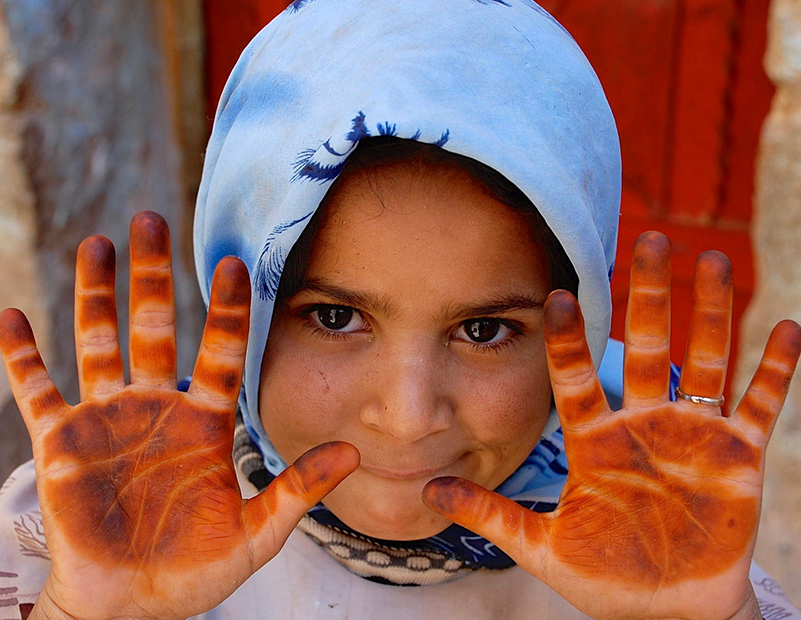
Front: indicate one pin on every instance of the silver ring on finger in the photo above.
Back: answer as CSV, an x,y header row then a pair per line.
x,y
700,400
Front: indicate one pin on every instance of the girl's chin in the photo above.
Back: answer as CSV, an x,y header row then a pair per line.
x,y
389,510
395,527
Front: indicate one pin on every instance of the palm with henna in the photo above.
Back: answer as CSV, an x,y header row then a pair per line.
x,y
138,492
659,514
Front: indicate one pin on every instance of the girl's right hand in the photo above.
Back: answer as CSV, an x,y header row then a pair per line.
x,y
138,492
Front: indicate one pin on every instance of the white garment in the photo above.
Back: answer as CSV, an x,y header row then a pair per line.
x,y
304,583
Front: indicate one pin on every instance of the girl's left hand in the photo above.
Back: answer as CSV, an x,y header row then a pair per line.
x,y
659,514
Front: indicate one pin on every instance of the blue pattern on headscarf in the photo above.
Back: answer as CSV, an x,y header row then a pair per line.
x,y
307,168
272,259
297,5
385,129
359,129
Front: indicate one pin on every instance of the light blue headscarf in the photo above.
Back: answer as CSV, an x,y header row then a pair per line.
x,y
496,80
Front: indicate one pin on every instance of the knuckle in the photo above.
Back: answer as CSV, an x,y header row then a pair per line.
x,y
224,349
153,319
575,376
153,269
97,339
763,397
208,396
295,482
647,344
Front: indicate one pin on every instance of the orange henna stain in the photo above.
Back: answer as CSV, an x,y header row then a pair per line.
x,y
96,309
656,538
452,497
561,315
659,498
48,400
568,355
757,412
590,401
309,479
16,335
320,467
26,366
647,308
651,258
15,331
156,356
231,284
154,478
226,324
217,377
101,367
95,263
155,289
150,237
482,511
712,268
773,376
646,373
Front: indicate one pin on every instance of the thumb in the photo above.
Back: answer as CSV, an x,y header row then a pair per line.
x,y
271,516
519,532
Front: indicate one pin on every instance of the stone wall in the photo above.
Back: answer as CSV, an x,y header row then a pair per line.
x,y
776,237
88,137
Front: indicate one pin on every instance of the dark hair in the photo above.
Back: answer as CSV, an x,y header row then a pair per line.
x,y
374,153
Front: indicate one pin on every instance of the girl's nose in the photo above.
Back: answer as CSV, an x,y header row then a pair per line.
x,y
408,397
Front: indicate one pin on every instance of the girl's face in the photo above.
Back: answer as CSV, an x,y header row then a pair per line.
x,y
417,337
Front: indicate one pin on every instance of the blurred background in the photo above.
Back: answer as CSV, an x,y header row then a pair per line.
x,y
105,108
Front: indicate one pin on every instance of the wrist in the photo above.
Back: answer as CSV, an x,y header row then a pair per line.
x,y
750,609
47,609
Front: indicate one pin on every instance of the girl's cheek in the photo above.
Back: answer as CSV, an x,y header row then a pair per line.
x,y
304,401
510,401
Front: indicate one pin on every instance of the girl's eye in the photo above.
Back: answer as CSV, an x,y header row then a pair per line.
x,y
485,331
337,318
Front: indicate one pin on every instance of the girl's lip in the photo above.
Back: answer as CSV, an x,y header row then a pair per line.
x,y
398,474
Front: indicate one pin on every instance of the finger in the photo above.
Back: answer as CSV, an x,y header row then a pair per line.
x,y
646,367
519,532
35,393
576,389
96,345
152,303
707,356
221,358
767,391
271,516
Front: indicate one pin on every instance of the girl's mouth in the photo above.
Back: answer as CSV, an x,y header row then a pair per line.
x,y
402,473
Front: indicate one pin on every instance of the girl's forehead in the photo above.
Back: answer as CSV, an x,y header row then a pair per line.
x,y
409,184
422,202
391,232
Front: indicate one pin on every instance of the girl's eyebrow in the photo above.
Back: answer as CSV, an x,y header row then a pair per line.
x,y
349,298
493,306
500,304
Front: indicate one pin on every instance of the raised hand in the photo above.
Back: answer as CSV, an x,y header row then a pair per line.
x,y
659,514
139,497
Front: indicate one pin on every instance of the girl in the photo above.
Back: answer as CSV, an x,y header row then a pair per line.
x,y
414,193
